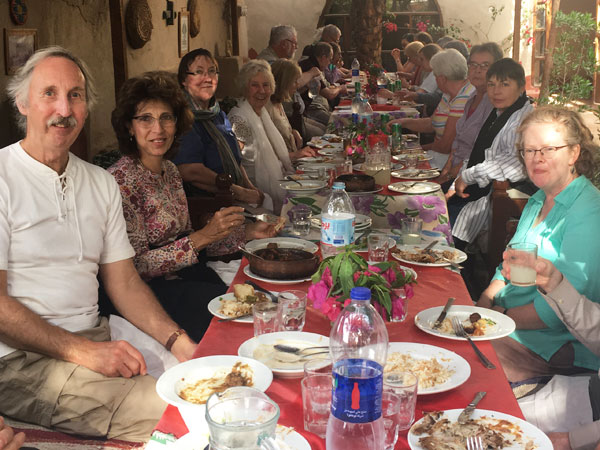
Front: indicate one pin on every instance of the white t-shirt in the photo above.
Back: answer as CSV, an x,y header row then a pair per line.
x,y
429,84
54,232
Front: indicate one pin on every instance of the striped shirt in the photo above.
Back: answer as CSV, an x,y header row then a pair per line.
x,y
501,163
450,107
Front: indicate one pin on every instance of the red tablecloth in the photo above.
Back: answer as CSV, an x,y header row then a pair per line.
x,y
434,286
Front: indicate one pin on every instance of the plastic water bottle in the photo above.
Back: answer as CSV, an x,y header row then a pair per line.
x,y
337,222
365,112
358,346
355,71
356,103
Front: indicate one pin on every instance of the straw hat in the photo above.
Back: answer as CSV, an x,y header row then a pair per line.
x,y
138,23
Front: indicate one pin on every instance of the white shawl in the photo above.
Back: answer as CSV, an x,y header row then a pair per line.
x,y
265,156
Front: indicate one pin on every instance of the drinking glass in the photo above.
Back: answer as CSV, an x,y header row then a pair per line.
x,y
291,310
316,402
378,246
390,409
265,318
411,161
300,221
314,88
241,418
404,385
318,366
411,230
521,259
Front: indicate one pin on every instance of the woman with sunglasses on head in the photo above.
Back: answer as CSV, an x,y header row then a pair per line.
x,y
562,218
150,116
210,147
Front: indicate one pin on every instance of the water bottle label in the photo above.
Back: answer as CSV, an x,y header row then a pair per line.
x,y
338,231
357,390
355,72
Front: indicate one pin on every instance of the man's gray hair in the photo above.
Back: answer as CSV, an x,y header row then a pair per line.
x,y
18,86
330,32
450,64
250,70
280,33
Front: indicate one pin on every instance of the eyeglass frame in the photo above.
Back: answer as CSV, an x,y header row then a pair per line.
x,y
549,151
474,65
161,120
211,74
295,44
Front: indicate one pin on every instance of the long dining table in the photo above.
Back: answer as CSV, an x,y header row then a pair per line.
x,y
434,286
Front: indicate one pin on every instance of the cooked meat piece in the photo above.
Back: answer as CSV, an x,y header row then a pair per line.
x,y
429,420
470,329
474,317
272,245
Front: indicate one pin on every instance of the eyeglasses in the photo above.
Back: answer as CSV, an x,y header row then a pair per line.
x,y
294,43
147,121
548,152
212,72
482,66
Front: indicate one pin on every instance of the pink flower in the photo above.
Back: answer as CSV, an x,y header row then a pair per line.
x,y
398,308
327,277
374,269
408,289
318,293
389,275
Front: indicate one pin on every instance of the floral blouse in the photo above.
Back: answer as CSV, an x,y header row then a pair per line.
x,y
156,212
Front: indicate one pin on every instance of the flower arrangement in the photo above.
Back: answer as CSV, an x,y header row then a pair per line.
x,y
373,71
337,275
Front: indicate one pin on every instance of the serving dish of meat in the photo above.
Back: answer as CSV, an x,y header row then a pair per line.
x,y
439,430
283,263
439,256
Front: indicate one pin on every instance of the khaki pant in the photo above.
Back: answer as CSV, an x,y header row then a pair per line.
x,y
73,399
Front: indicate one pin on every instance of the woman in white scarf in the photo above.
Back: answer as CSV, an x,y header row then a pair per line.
x,y
264,153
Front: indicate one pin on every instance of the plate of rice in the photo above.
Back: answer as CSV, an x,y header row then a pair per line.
x,y
438,369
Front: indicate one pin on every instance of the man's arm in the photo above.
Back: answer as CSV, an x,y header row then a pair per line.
x,y
23,329
137,303
8,439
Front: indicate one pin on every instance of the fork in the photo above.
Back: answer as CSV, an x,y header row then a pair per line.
x,y
460,331
474,443
299,358
262,217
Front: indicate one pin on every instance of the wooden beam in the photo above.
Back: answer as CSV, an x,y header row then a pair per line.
x,y
549,53
119,43
516,51
235,32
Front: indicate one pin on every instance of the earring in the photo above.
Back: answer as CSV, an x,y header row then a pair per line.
x,y
131,138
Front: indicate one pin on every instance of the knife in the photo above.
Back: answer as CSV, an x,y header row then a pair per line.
x,y
256,287
235,318
466,413
442,316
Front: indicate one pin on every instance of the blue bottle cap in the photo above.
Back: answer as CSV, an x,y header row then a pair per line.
x,y
339,185
360,293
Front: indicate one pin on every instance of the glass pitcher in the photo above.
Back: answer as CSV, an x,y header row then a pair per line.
x,y
378,162
242,418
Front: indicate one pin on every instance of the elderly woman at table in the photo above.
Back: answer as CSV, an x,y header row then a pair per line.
x,y
562,218
264,153
477,108
563,407
450,69
210,147
151,113
494,155
286,74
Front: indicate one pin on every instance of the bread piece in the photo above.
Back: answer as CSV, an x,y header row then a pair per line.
x,y
280,224
241,291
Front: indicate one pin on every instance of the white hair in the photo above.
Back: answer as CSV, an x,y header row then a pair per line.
x,y
449,63
18,86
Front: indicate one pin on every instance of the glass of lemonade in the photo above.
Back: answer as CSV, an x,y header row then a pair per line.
x,y
411,230
521,259
378,163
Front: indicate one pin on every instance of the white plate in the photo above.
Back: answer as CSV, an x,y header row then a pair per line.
x,y
448,359
330,151
408,269
402,157
504,324
415,174
410,187
362,222
459,257
314,167
311,159
215,304
530,432
198,441
287,242
248,347
305,186
171,382
251,274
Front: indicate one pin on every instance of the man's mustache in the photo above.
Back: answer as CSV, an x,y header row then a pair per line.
x,y
62,121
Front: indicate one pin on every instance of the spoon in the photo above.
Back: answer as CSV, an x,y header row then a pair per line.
x,y
279,357
295,350
247,253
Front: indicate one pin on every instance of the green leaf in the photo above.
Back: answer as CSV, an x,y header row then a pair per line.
x,y
359,260
335,267
346,276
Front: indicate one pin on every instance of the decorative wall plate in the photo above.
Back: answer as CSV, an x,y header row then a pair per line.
x,y
18,11
138,23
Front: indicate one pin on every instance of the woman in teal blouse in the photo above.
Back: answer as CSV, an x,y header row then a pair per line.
x,y
563,219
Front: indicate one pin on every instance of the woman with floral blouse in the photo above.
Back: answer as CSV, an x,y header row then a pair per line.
x,y
151,114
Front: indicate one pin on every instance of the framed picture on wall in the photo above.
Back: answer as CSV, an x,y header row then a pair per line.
x,y
184,33
19,45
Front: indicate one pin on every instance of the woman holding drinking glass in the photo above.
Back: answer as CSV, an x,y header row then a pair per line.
x,y
562,219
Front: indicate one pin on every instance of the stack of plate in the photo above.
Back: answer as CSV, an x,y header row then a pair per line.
x,y
303,186
362,222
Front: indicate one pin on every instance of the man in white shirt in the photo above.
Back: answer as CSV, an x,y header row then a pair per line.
x,y
61,223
